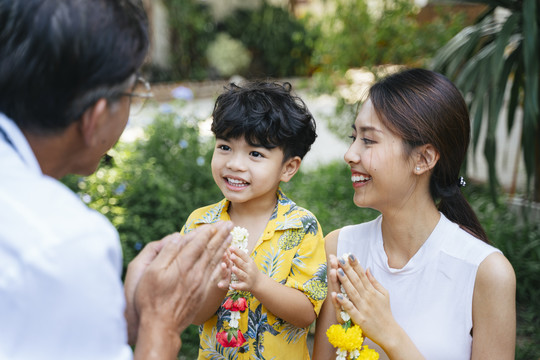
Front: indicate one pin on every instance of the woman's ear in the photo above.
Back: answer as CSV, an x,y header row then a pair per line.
x,y
426,159
91,121
290,167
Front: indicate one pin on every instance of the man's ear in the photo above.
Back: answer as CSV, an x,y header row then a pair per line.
x,y
290,167
92,120
427,158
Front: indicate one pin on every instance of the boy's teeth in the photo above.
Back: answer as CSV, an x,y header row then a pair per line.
x,y
235,182
356,178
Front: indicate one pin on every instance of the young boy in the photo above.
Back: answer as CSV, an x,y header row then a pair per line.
x,y
262,133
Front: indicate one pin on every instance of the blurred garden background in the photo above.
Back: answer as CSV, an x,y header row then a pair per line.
x,y
331,51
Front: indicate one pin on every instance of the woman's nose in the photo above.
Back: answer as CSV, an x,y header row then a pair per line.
x,y
352,155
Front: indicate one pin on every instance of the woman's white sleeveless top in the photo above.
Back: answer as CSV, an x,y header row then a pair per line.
x,y
431,296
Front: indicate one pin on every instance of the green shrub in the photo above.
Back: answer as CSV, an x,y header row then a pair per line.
x,y
190,343
192,28
228,56
280,44
353,36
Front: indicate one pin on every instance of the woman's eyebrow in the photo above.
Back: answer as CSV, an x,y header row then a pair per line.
x,y
369,128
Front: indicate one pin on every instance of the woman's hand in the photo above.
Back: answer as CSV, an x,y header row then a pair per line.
x,y
368,302
368,305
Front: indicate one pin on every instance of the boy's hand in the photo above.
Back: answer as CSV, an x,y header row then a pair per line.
x,y
245,269
222,274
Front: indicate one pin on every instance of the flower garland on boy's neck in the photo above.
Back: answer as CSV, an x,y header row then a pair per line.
x,y
347,337
235,303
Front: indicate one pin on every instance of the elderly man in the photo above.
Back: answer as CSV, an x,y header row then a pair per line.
x,y
68,70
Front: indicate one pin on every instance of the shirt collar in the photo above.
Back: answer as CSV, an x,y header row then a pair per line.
x,y
18,143
283,215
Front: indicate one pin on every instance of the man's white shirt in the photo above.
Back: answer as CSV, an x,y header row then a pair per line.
x,y
61,294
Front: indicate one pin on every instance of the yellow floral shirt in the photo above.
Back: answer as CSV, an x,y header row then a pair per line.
x,y
290,251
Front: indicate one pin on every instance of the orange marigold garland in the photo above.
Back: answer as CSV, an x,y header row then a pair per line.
x,y
233,337
348,339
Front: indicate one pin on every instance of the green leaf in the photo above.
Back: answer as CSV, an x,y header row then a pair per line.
x,y
502,42
510,62
478,111
530,105
474,71
517,83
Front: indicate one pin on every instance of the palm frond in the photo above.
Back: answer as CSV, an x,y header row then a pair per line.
x,y
517,84
530,101
490,57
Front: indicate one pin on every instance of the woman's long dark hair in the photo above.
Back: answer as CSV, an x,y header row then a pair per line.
x,y
424,107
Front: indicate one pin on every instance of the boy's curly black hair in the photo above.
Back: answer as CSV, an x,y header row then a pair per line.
x,y
267,114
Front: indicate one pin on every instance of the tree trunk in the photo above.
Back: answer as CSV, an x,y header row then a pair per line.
x,y
292,6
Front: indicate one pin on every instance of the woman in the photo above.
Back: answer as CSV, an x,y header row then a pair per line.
x,y
422,280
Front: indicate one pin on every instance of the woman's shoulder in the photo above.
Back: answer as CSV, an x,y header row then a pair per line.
x,y
463,245
351,234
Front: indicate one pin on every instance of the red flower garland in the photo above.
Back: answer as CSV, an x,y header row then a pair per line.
x,y
227,338
235,305
233,337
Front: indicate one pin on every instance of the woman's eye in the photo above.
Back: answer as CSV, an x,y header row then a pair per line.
x,y
367,141
353,138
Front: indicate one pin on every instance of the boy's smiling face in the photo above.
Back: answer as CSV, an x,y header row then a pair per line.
x,y
246,173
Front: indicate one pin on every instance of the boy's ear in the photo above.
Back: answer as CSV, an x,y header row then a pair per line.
x,y
290,167
91,120
428,157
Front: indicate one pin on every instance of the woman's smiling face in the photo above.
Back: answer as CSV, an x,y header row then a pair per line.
x,y
381,172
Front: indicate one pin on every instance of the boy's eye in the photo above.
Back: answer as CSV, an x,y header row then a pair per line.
x,y
256,154
224,147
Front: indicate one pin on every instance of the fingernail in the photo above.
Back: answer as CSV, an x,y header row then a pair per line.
x,y
341,261
340,296
352,258
340,272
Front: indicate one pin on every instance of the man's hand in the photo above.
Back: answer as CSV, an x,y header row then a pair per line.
x,y
134,273
168,285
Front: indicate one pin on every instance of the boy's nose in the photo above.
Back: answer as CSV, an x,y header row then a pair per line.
x,y
236,162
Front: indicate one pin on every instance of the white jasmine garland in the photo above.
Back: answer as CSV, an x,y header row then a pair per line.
x,y
235,316
235,302
355,354
341,354
240,238
240,241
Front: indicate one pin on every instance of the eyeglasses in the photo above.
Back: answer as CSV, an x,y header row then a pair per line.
x,y
139,95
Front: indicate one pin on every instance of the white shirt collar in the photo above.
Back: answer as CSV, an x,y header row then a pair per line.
x,y
19,143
